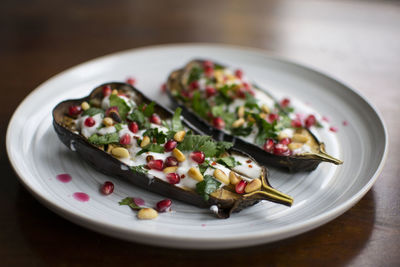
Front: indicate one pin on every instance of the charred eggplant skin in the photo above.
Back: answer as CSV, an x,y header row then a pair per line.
x,y
107,164
288,163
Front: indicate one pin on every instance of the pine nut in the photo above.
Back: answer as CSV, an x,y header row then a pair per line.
x,y
120,152
238,123
110,148
85,105
233,178
114,92
282,135
265,108
145,141
263,115
107,121
250,118
293,146
221,176
147,214
178,155
299,138
179,136
195,174
253,186
170,169
241,112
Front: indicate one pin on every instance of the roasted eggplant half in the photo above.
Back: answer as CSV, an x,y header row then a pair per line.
x,y
225,104
122,133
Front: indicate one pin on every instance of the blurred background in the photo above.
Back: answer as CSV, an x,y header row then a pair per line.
x,y
357,42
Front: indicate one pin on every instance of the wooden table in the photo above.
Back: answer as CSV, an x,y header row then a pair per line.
x,y
356,41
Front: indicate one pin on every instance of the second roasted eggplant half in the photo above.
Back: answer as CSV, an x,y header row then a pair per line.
x,y
122,133
224,103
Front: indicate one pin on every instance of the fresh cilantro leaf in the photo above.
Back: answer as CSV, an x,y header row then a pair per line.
x,y
118,127
218,67
283,123
222,147
160,136
151,148
139,169
207,186
265,130
92,111
149,110
218,111
318,124
251,102
176,123
203,167
223,97
123,107
129,202
194,75
229,162
200,105
138,116
203,143
242,131
104,139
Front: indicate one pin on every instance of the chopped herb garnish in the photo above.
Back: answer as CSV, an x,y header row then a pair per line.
x,y
118,126
265,130
203,143
155,133
104,139
151,148
242,131
194,75
207,186
219,111
139,169
149,110
229,162
92,111
200,105
123,107
138,116
129,202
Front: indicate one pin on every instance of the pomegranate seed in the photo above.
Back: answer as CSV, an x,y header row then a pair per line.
x,y
241,93
164,87
285,141
156,164
74,110
269,145
125,139
89,122
171,161
106,90
345,123
154,118
281,150
198,156
285,102
208,63
107,188
210,91
310,121
187,94
173,178
208,71
133,127
111,109
246,86
194,85
239,188
296,123
138,201
239,74
164,205
218,123
272,117
131,81
170,145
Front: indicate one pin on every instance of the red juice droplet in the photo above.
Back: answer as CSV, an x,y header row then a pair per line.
x,y
333,129
80,196
324,118
345,123
64,178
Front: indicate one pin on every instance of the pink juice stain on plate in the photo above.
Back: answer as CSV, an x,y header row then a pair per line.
x,y
80,196
64,178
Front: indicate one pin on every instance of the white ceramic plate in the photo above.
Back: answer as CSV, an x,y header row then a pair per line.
x,y
38,156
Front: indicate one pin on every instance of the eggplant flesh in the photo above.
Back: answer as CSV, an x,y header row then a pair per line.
x,y
225,198
306,161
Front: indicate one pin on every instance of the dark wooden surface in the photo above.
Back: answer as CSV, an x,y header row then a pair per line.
x,y
356,41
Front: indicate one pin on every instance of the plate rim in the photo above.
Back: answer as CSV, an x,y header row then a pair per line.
x,y
187,242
